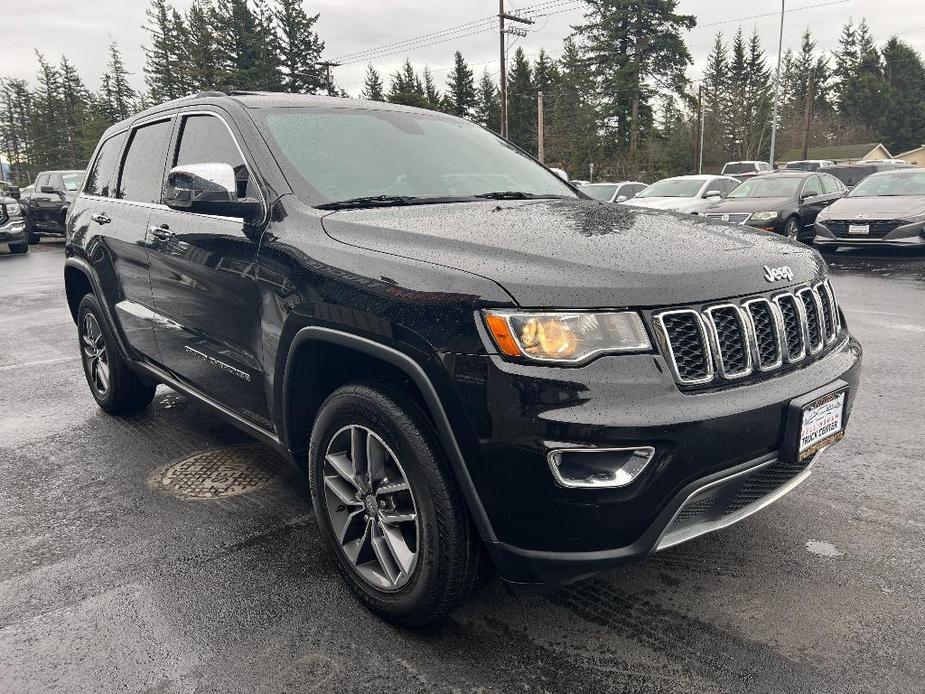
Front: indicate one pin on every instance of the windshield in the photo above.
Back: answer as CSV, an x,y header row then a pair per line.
x,y
600,191
738,168
890,185
72,180
673,188
768,187
850,175
803,165
333,155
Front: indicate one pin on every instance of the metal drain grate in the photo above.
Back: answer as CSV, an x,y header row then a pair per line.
x,y
220,473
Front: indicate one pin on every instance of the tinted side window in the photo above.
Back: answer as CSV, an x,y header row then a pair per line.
x,y
812,186
39,182
829,184
206,140
143,165
101,179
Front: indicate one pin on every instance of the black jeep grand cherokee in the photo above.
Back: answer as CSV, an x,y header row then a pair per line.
x,y
479,367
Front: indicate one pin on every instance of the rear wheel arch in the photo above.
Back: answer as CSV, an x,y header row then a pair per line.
x,y
360,359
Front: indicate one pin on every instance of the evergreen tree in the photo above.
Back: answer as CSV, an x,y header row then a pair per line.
x,y
636,50
372,87
47,129
165,67
902,125
406,87
521,110
572,118
716,106
756,106
488,103
545,73
118,99
74,105
300,48
16,127
859,90
247,54
461,88
431,93
200,49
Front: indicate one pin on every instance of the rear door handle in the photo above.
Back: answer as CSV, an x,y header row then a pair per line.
x,y
100,218
161,232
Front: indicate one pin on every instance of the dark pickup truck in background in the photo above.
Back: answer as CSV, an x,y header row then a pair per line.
x,y
46,206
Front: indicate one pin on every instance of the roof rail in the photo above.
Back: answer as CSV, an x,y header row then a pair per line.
x,y
202,95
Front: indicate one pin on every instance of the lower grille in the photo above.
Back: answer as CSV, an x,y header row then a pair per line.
x,y
729,500
877,228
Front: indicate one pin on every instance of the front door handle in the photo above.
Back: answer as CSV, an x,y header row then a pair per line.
x,y
100,218
161,232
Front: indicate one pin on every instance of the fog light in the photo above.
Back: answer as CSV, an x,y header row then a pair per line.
x,y
599,467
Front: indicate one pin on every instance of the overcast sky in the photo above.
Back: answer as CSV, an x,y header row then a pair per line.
x,y
81,30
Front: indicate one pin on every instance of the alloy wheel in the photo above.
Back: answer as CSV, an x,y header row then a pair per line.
x,y
95,355
371,508
793,229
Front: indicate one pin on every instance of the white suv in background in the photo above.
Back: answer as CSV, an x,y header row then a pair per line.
x,y
690,194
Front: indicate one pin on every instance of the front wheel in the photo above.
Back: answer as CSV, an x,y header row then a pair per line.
x,y
19,248
114,386
792,229
388,506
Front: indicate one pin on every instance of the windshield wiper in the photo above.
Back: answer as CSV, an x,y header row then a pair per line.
x,y
372,201
515,195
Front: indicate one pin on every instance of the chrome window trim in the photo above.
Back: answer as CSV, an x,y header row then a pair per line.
x,y
801,316
718,353
658,319
820,324
562,482
778,332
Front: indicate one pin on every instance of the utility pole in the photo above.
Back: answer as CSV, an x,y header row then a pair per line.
x,y
502,15
808,115
780,46
327,65
700,118
540,150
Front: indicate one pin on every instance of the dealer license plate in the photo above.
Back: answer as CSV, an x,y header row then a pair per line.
x,y
823,424
859,228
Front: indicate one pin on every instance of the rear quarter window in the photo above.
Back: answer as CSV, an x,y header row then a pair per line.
x,y
101,178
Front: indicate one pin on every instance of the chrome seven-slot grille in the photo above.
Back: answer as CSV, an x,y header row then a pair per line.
x,y
734,340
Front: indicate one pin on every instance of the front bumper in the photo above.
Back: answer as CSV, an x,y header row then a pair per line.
x,y
547,534
907,236
13,231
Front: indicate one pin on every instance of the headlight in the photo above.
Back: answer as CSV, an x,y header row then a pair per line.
x,y
12,209
764,216
566,337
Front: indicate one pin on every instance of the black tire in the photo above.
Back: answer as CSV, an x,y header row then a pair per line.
x,y
19,248
450,559
121,392
827,249
792,228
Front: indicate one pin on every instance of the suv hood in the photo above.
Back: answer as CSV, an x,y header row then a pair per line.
x,y
579,253
899,207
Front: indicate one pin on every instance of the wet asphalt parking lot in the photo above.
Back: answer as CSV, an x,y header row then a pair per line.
x,y
112,580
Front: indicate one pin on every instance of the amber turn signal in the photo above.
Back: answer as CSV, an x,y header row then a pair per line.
x,y
501,332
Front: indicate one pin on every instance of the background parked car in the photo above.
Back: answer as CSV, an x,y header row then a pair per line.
x,y
9,190
12,226
47,204
808,164
885,209
746,169
852,174
614,192
785,202
691,194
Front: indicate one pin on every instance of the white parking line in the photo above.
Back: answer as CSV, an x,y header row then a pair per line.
x,y
27,364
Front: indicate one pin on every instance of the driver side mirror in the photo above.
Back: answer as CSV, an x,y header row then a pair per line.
x,y
207,189
48,190
621,198
807,194
713,194
14,193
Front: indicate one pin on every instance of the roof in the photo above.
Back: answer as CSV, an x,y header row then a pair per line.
x,y
833,152
911,151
